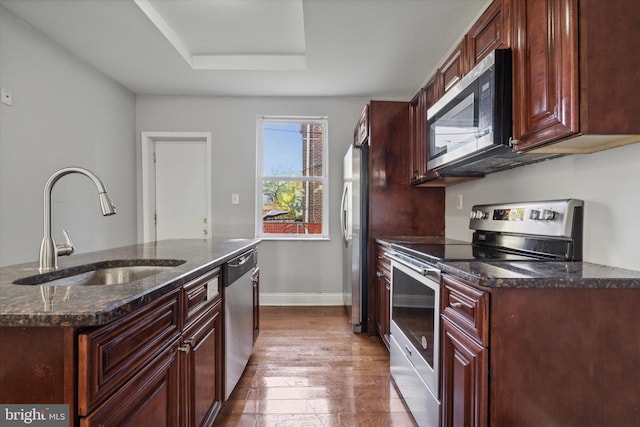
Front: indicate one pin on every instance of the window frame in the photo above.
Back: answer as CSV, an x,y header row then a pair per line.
x,y
324,179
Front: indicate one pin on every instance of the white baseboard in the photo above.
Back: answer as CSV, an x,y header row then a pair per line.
x,y
301,299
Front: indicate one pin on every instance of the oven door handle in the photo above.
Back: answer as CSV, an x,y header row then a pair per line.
x,y
423,270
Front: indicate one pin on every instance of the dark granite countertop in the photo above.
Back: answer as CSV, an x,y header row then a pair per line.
x,y
547,274
78,306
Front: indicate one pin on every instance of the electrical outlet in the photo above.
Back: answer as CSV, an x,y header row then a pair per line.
x,y
459,201
6,96
235,199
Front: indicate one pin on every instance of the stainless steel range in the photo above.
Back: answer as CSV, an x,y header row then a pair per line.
x,y
525,231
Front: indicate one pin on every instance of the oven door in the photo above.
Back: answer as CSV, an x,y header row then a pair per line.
x,y
415,318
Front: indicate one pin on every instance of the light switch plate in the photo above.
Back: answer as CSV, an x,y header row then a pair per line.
x,y
235,199
7,97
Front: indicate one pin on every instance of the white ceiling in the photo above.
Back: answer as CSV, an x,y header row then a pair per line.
x,y
370,48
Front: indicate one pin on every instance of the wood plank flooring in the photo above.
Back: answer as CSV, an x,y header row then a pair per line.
x,y
309,369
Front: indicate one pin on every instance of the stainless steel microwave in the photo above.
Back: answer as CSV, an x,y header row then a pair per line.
x,y
474,117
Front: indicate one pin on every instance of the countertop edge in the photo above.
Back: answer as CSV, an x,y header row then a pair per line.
x,y
131,301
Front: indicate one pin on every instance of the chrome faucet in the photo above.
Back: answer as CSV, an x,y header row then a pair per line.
x,y
49,251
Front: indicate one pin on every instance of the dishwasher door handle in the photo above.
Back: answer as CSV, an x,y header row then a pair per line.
x,y
243,259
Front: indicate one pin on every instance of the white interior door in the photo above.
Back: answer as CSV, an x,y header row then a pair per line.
x,y
181,190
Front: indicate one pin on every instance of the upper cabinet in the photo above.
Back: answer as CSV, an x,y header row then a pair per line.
x,y
491,31
574,73
452,70
545,71
417,137
361,133
574,77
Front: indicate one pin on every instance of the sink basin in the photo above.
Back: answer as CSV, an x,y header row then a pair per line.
x,y
112,272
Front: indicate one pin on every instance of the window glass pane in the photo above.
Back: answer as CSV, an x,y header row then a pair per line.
x,y
292,207
292,149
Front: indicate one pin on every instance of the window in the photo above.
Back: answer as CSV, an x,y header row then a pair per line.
x,y
292,178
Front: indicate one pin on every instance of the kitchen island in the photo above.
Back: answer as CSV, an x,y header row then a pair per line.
x,y
149,350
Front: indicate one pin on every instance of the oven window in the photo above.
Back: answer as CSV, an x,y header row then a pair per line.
x,y
414,310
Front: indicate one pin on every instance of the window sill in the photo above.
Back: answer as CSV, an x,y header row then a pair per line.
x,y
302,239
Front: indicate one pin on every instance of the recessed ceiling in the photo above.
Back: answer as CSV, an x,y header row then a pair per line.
x,y
371,48
232,34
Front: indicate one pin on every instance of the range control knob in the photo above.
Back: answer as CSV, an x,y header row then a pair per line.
x,y
479,215
534,214
547,214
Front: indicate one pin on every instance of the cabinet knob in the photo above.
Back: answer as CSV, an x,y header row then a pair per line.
x,y
456,304
185,348
379,273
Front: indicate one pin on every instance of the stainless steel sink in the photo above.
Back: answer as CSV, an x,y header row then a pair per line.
x,y
112,272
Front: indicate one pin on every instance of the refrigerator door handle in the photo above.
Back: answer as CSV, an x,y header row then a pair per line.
x,y
344,213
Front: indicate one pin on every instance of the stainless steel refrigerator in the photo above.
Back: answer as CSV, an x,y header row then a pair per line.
x,y
353,219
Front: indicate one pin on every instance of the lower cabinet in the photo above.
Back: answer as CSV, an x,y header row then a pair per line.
x,y
148,399
463,376
202,369
382,289
545,354
465,369
158,366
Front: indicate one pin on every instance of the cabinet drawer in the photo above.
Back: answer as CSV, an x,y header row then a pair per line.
x,y
200,293
112,354
148,399
466,307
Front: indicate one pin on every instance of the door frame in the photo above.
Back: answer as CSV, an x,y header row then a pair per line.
x,y
149,140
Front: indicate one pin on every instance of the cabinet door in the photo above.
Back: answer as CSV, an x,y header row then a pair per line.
x,y
490,32
361,133
202,369
419,138
110,355
416,124
453,69
545,71
464,379
383,294
150,398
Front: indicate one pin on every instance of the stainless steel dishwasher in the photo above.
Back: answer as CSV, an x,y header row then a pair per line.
x,y
238,320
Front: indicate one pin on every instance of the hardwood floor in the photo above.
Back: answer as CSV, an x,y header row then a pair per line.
x,y
309,369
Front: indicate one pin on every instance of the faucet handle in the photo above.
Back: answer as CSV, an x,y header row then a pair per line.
x,y
65,248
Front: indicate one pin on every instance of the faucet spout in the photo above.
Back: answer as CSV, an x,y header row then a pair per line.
x,y
49,251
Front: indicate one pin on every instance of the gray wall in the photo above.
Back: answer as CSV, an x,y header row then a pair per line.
x,y
298,272
64,113
607,182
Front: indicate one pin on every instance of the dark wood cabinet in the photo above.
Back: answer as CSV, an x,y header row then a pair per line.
x,y
573,73
545,71
361,132
395,207
158,365
538,356
464,376
465,326
419,136
383,292
111,355
201,369
491,31
452,69
148,399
